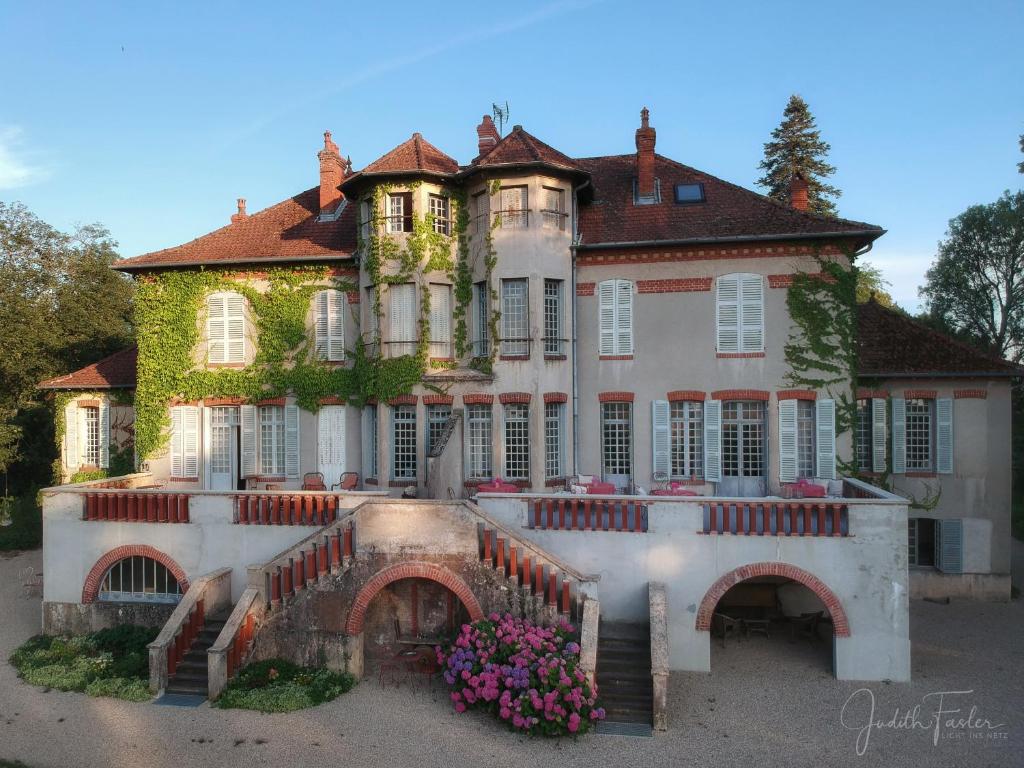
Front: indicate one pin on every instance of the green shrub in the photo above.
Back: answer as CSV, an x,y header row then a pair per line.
x,y
26,528
276,685
127,688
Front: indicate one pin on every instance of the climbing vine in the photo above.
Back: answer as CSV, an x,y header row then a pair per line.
x,y
122,457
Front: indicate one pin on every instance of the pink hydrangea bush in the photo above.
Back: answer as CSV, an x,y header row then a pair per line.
x,y
527,675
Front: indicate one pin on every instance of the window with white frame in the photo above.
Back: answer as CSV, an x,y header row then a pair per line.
x,y
272,441
478,430
225,327
482,335
517,441
687,439
554,440
403,442
864,435
921,542
481,212
515,318
617,439
399,212
743,438
329,324
91,435
437,418
553,317
805,429
553,212
139,579
403,319
440,321
514,207
439,212
615,317
739,307
920,443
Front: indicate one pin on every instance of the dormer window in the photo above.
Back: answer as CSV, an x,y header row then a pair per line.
x,y
689,194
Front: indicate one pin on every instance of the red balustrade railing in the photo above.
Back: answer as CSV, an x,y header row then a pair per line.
x,y
124,507
306,565
581,513
286,509
186,635
240,644
777,518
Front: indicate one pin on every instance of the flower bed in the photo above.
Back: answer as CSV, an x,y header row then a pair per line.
x,y
276,685
526,675
112,662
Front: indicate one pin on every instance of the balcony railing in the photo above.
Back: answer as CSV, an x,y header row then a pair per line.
x,y
516,347
554,347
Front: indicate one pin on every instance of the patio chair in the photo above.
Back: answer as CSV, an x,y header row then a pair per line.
x,y
347,482
805,625
30,581
313,481
724,625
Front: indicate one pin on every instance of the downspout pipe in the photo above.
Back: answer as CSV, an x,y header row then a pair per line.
x,y
576,238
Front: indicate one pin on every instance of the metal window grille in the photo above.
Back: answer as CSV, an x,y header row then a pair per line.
x,y
743,439
687,434
478,423
372,428
271,440
139,579
805,427
396,213
483,325
515,317
403,441
437,417
517,441
221,422
553,214
439,210
864,436
554,429
617,438
91,456
553,317
919,435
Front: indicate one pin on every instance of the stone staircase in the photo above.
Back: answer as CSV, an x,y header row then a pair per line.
x,y
624,672
191,675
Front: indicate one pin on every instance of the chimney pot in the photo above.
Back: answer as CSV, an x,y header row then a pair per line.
x,y
332,171
486,135
645,140
798,192
241,211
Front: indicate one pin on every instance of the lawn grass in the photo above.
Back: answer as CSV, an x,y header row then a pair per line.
x,y
276,685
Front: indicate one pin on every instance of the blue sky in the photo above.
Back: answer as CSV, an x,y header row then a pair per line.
x,y
151,118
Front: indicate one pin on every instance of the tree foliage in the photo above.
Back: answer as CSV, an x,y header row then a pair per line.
x,y
976,285
796,145
870,283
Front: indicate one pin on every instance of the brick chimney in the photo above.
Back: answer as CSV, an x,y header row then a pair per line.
x,y
332,172
486,135
798,192
236,217
645,137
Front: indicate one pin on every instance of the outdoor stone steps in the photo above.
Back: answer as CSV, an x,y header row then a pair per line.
x,y
191,677
624,681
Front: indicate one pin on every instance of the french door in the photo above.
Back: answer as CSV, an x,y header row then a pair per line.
x,y
222,448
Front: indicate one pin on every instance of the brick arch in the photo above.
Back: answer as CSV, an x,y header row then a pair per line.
x,y
414,570
707,607
91,589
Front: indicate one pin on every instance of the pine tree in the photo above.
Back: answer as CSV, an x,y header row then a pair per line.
x,y
796,145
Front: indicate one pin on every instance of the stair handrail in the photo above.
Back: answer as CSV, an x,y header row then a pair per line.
x,y
206,595
658,605
229,650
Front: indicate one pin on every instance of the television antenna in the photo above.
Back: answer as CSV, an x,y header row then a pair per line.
x,y
500,115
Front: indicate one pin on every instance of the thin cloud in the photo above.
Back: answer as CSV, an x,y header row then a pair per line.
x,y
18,165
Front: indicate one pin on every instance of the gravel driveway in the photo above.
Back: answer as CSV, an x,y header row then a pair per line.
x,y
767,702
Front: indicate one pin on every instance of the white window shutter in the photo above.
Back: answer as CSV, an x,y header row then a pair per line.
x,y
787,441
369,450
402,312
826,438
751,313
899,436
606,317
104,427
236,328
177,443
624,317
713,441
291,440
661,461
216,328
336,326
878,434
727,317
71,461
323,336
190,440
440,314
247,415
949,536
331,442
944,435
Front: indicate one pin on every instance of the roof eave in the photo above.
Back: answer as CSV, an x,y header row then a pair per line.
x,y
141,267
86,387
531,165
362,177
870,234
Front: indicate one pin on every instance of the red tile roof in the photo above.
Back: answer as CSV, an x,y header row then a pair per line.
x,y
890,344
522,148
288,231
729,211
416,154
113,372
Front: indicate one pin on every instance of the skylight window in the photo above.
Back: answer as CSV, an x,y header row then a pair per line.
x,y
688,194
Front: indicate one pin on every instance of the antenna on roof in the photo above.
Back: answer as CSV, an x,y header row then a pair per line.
x,y
500,116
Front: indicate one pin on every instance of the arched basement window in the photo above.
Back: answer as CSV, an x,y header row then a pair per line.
x,y
139,579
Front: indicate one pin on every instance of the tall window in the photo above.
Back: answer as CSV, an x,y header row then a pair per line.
x,y
440,321
400,212
372,335
687,439
920,420
403,319
615,317
617,439
482,340
805,428
554,431
365,218
478,425
439,211
329,322
403,442
514,207
743,439
515,318
553,317
864,436
481,212
91,438
271,440
517,441
554,208
225,328
739,306
921,541
437,417
372,444
139,579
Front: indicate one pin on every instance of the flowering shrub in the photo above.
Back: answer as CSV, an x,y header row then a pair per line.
x,y
527,675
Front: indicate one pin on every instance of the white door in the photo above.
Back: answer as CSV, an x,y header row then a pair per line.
x,y
617,445
222,435
331,443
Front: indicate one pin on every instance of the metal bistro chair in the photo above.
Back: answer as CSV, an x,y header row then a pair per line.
x,y
347,482
313,481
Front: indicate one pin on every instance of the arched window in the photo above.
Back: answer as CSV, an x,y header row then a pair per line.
x,y
225,327
139,579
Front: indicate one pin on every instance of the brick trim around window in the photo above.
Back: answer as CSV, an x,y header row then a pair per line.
x,y
796,394
863,393
556,397
741,394
970,394
585,289
91,588
87,403
271,401
404,400
615,397
506,398
214,401
332,400
615,357
438,399
678,395
738,355
920,394
478,398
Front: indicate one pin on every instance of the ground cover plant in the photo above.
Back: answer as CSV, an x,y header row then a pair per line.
x,y
276,685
